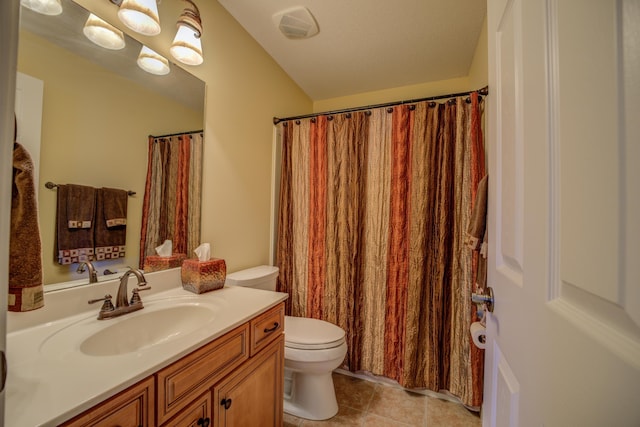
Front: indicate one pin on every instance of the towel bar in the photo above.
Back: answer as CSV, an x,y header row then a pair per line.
x,y
50,185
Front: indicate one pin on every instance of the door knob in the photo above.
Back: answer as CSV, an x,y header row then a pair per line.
x,y
485,298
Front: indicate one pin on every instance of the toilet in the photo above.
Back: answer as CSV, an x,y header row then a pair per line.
x,y
313,349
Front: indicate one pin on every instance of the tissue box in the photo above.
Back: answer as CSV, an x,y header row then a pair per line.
x,y
203,276
157,263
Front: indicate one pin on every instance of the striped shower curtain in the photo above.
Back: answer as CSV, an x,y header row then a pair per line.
x,y
373,211
171,206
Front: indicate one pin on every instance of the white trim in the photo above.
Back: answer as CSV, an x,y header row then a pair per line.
x,y
9,23
276,159
553,92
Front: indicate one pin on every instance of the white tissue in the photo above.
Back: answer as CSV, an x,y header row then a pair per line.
x,y
165,249
203,252
478,334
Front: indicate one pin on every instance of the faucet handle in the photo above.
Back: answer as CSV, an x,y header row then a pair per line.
x,y
135,296
107,306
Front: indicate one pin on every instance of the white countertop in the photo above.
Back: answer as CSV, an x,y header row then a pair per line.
x,y
47,385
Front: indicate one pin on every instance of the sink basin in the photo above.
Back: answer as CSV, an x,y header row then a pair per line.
x,y
158,323
145,330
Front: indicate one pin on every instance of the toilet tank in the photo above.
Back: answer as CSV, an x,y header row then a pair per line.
x,y
261,277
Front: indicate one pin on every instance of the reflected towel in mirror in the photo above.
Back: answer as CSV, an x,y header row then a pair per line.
x,y
114,206
111,220
80,206
74,244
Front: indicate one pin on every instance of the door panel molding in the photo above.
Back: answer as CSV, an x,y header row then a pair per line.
x,y
509,144
506,389
590,250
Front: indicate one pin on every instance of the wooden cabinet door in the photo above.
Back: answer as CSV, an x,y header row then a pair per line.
x,y
183,381
133,407
252,396
197,414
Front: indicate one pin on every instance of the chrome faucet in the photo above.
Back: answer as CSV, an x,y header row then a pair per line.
x,y
93,275
123,305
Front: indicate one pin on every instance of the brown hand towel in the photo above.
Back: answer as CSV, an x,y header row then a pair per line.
x,y
81,206
25,250
114,203
74,244
110,239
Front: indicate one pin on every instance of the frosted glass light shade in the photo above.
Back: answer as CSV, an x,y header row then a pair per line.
x,y
152,62
141,16
45,7
186,47
103,34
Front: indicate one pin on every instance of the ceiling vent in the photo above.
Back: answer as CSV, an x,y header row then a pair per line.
x,y
296,23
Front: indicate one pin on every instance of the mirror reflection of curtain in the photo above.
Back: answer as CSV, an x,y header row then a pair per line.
x,y
373,212
171,207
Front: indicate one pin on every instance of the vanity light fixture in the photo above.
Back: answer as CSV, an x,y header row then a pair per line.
x,y
141,16
152,62
103,34
187,46
45,7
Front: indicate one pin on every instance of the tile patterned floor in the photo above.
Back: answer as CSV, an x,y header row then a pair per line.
x,y
365,403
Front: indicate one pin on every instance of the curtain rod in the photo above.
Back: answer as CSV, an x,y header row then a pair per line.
x,y
484,91
176,134
50,185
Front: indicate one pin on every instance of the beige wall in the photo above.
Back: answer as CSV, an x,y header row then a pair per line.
x,y
477,78
245,89
479,70
93,133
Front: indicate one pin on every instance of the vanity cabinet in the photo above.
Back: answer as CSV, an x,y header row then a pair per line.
x,y
236,380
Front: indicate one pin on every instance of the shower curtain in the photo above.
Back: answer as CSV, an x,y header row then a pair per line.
x,y
373,211
171,206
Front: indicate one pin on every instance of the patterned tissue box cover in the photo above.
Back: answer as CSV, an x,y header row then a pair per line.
x,y
203,276
157,263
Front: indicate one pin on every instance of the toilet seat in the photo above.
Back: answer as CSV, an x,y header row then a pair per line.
x,y
311,334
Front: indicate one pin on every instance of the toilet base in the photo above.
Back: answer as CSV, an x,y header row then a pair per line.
x,y
310,396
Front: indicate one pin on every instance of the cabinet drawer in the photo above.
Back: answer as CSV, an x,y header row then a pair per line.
x,y
266,327
131,408
198,411
186,379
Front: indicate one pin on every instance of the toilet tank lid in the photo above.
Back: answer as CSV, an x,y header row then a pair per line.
x,y
252,275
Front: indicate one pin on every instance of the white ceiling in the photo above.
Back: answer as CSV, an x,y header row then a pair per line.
x,y
368,45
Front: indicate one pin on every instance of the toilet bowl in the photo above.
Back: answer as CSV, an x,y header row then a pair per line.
x,y
313,349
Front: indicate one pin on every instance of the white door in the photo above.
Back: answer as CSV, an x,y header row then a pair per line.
x,y
563,343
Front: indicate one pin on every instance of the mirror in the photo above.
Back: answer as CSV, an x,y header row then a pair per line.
x,y
98,109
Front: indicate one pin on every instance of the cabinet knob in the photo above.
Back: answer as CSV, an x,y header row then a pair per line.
x,y
226,403
204,422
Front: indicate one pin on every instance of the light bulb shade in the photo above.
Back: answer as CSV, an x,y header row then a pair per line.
x,y
141,16
186,46
152,62
45,7
103,34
